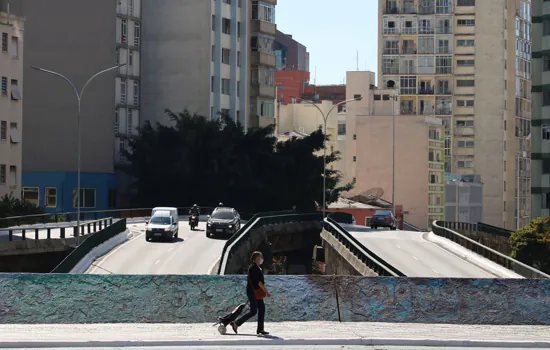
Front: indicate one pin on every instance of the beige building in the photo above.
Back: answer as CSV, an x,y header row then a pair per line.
x,y
304,118
419,151
11,106
468,63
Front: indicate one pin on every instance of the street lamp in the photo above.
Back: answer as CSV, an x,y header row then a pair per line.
x,y
79,99
394,101
325,119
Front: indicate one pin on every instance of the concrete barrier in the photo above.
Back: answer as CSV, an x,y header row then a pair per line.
x,y
58,299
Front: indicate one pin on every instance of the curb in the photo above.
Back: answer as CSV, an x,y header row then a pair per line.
x,y
85,263
261,341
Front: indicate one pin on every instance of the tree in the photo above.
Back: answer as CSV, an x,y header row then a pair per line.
x,y
11,206
531,244
205,161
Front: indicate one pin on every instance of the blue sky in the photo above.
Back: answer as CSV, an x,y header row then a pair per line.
x,y
332,31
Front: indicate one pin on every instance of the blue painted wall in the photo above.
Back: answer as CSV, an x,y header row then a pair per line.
x,y
65,183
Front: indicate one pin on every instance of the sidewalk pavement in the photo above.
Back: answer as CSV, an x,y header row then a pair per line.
x,y
282,334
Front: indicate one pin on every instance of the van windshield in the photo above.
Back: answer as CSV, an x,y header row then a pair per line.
x,y
160,220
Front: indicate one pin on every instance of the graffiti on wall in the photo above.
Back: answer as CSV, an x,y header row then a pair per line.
x,y
75,299
462,301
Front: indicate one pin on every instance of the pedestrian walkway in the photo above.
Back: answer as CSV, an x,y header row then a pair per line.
x,y
282,334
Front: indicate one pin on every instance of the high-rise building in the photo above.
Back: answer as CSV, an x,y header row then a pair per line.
x,y
11,104
540,185
468,62
290,54
214,58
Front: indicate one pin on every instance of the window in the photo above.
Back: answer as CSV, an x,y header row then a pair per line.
x,y
466,22
465,83
137,34
408,85
123,31
4,42
15,135
214,22
355,136
4,86
464,103
15,93
3,130
136,93
30,194
130,58
546,27
50,197
464,123
546,98
238,58
466,3
263,11
226,26
226,86
13,176
377,97
2,174
87,197
545,132
354,158
122,91
465,63
131,7
443,65
434,179
226,54
465,42
265,108
546,63
341,128
466,144
465,164
129,123
14,47
262,43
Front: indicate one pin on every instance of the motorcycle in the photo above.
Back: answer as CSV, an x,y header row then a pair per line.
x,y
193,221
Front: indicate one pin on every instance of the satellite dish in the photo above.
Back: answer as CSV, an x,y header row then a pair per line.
x,y
373,193
390,84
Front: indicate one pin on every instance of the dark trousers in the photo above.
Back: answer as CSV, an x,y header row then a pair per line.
x,y
256,306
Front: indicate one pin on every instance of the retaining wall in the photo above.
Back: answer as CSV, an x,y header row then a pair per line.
x,y
39,299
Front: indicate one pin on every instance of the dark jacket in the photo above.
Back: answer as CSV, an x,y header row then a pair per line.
x,y
254,277
195,211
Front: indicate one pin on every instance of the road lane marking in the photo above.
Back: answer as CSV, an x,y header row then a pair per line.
x,y
169,250
156,262
398,246
415,258
102,259
435,271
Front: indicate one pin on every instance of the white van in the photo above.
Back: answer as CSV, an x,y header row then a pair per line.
x,y
164,224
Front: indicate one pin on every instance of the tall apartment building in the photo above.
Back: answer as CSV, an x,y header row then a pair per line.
x,y
540,185
214,58
64,36
468,63
290,54
127,79
11,109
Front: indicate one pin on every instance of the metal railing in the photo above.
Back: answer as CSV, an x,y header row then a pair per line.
x,y
259,220
438,228
373,261
20,234
479,227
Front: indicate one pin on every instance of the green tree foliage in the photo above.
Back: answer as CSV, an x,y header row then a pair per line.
x,y
11,206
206,162
531,244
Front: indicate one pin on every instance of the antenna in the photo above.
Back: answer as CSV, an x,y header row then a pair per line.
x,y
357,59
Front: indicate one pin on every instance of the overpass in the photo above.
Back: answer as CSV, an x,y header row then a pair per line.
x,y
349,249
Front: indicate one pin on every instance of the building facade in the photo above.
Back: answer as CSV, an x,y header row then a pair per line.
x,y
213,58
290,54
50,107
449,61
463,198
11,104
540,123
418,147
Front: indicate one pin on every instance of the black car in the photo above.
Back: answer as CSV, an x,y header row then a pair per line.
x,y
383,218
223,221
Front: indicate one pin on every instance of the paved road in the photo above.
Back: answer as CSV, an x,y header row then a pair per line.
x,y
289,347
409,252
191,254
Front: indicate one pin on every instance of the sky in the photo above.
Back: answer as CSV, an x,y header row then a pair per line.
x,y
332,31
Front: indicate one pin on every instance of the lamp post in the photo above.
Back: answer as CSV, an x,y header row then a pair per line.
x,y
325,119
394,101
79,99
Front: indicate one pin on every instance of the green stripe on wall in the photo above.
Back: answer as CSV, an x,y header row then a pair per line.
x,y
539,122
540,88
540,190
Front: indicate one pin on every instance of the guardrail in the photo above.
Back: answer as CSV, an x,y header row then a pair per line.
x,y
479,227
518,267
68,217
20,234
259,220
373,261
411,227
90,243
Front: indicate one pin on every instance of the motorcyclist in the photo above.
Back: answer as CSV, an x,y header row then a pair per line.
x,y
194,211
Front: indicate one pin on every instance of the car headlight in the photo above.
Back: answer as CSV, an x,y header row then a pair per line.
x,y
209,224
167,229
230,226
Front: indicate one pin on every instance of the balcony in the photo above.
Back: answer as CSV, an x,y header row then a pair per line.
x,y
443,111
407,110
426,10
444,9
390,70
391,10
444,49
426,30
409,51
263,59
263,27
260,90
444,29
444,92
391,51
391,30
409,30
444,70
425,91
